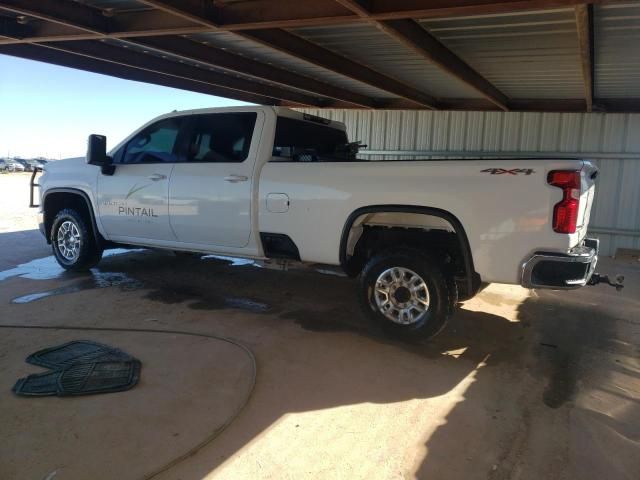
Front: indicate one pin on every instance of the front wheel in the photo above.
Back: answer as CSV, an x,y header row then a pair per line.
x,y
73,242
406,293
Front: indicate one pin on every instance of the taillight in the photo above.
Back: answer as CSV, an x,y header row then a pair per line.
x,y
565,212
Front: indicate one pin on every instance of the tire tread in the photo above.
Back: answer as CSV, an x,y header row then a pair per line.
x,y
90,253
415,259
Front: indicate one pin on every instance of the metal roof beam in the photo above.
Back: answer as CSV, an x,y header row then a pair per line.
x,y
397,9
44,53
200,15
53,20
220,58
9,28
257,14
291,44
417,38
64,12
65,21
413,36
268,14
131,24
216,16
577,105
584,24
146,23
142,61
51,32
65,59
622,105
196,11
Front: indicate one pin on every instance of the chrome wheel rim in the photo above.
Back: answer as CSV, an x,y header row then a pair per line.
x,y
401,295
68,240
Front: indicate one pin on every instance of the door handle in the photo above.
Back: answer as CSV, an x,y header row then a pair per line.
x,y
236,178
156,176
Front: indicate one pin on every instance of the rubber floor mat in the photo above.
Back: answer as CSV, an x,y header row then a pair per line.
x,y
81,379
77,351
38,384
80,367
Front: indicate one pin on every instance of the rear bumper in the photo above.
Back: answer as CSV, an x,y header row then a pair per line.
x,y
561,271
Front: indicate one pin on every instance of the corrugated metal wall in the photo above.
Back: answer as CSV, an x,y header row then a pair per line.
x,y
616,214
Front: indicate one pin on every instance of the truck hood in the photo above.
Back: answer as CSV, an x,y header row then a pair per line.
x,y
65,163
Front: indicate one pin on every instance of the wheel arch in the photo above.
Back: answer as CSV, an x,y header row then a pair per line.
x,y
461,235
59,193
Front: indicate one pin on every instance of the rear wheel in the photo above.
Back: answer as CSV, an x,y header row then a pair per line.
x,y
406,293
73,242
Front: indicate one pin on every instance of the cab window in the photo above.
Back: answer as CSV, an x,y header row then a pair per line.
x,y
306,141
154,144
221,137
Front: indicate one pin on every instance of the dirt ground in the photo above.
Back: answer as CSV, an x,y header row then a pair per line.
x,y
520,385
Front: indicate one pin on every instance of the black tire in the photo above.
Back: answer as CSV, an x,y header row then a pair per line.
x,y
89,253
442,294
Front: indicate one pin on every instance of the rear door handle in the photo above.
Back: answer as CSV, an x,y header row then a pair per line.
x,y
156,176
236,178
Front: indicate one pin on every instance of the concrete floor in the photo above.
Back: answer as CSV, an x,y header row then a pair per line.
x,y
520,385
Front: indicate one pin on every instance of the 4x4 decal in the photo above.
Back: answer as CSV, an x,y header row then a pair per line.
x,y
512,171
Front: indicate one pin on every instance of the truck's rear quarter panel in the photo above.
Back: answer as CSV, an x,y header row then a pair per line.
x,y
505,206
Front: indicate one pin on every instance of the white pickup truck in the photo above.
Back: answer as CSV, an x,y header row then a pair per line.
x,y
265,183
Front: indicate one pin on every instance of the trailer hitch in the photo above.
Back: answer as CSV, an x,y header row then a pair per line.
x,y
597,278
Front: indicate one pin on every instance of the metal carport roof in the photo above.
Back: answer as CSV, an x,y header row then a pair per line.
x,y
505,55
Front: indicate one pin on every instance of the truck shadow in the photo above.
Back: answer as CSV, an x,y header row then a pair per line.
x,y
517,379
311,373
314,302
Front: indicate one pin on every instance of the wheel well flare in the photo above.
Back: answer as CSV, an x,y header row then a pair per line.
x,y
57,200
437,232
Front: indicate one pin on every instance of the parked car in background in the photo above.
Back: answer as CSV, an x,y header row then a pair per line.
x,y
3,166
14,166
28,167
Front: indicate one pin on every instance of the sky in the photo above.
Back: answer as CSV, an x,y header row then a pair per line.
x,y
48,111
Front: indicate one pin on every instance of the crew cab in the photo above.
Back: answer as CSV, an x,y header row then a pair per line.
x,y
272,183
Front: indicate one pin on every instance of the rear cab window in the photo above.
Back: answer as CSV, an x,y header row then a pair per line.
x,y
308,141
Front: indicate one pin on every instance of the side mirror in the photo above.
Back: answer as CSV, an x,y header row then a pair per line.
x,y
97,154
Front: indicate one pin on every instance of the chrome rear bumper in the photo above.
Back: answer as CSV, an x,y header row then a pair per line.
x,y
561,271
